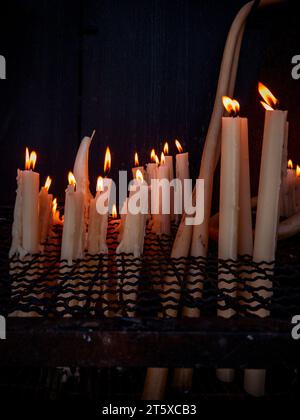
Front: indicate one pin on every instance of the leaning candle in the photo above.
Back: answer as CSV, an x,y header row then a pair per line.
x,y
25,230
229,208
45,210
267,215
182,173
137,166
73,236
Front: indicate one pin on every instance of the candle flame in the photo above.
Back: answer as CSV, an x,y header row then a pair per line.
x,y
266,106
139,176
179,147
290,164
136,159
107,161
162,158
114,212
231,105
71,179
268,97
100,186
30,160
48,183
152,155
156,160
166,148
298,170
54,206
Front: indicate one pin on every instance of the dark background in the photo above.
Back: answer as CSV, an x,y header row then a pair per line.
x,y
139,72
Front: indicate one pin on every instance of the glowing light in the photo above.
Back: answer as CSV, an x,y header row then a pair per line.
x,y
107,161
179,147
231,105
71,179
268,97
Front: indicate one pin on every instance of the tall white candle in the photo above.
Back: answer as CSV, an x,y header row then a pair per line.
x,y
164,217
245,241
25,230
73,237
229,207
267,214
288,196
137,166
169,163
182,173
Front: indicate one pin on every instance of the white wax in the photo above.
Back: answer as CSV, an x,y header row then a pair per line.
x,y
182,173
164,217
134,227
267,215
245,241
73,237
30,211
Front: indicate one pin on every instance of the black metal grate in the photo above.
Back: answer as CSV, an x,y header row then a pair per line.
x,y
151,286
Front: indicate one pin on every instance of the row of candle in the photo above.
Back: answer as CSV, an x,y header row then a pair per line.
x,y
86,217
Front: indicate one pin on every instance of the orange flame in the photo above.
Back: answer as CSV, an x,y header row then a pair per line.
x,y
99,186
139,176
136,159
179,147
266,106
71,179
156,160
48,183
107,160
290,164
114,212
267,96
30,160
231,105
152,155
298,170
166,148
162,158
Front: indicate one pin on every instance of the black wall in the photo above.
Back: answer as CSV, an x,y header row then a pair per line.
x,y
138,71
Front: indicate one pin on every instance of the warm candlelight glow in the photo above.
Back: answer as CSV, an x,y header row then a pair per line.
x,y
162,158
231,105
298,170
156,160
114,212
179,147
54,206
30,160
270,100
290,164
99,186
166,148
107,160
48,183
153,155
136,159
139,176
71,179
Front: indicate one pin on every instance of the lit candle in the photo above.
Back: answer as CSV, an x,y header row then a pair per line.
x,y
182,173
169,163
25,229
229,206
56,220
288,191
137,166
297,188
97,225
73,237
267,215
45,210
